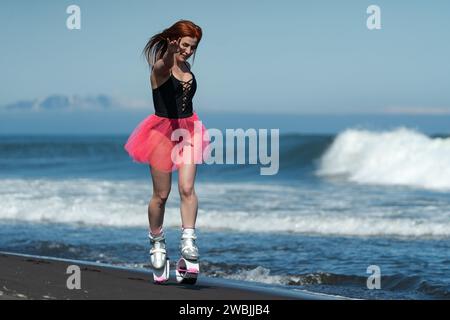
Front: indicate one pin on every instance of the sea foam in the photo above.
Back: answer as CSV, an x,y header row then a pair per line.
x,y
398,157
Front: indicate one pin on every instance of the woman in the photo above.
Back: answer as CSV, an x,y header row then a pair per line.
x,y
173,87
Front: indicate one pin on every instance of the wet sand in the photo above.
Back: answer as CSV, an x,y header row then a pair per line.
x,y
42,278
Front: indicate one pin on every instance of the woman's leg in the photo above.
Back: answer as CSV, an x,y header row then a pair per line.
x,y
189,201
161,188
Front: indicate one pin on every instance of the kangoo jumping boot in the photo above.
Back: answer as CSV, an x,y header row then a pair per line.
x,y
158,258
188,265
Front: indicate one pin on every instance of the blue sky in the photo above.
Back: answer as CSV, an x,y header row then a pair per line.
x,y
257,57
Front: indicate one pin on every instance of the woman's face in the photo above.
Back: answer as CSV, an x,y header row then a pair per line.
x,y
188,46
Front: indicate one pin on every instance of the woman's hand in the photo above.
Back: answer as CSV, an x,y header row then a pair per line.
x,y
173,46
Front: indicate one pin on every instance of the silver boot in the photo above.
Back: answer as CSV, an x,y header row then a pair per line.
x,y
158,254
188,247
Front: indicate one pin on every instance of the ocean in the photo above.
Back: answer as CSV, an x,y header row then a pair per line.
x,y
339,206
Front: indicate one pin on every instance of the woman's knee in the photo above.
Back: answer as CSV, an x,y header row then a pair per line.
x,y
186,191
161,196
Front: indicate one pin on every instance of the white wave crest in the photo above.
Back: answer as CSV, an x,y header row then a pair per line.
x,y
399,157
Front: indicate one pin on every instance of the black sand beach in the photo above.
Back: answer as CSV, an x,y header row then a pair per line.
x,y
43,278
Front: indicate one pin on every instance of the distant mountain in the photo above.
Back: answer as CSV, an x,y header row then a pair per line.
x,y
74,103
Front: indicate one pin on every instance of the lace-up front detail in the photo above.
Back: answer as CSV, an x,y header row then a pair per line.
x,y
186,90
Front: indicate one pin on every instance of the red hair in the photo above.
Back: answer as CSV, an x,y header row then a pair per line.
x,y
157,45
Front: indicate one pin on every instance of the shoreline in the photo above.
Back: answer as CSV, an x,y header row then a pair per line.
x,y
30,277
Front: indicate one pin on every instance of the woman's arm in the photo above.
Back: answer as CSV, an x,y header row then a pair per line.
x,y
162,66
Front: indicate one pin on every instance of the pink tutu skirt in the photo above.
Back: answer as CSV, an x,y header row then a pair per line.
x,y
166,144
